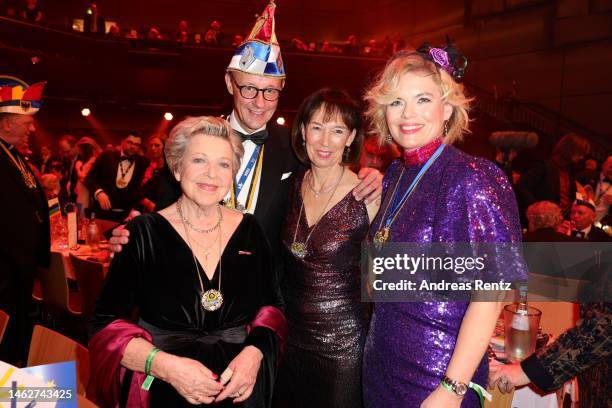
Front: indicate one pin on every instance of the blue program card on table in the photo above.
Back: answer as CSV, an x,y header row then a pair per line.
x,y
60,376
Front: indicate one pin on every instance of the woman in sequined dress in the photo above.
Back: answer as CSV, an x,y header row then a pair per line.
x,y
324,228
411,346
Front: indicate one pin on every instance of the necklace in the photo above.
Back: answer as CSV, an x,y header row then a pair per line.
x,y
28,177
212,299
317,193
299,248
179,209
206,250
121,183
382,234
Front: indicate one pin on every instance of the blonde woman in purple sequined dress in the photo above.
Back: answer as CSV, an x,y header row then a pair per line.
x,y
412,346
322,236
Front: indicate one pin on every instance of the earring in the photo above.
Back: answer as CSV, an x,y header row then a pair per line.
x,y
303,142
446,128
388,138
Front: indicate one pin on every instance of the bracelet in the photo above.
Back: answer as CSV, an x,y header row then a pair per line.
x,y
149,361
149,379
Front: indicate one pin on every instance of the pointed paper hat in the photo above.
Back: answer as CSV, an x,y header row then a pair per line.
x,y
260,53
17,97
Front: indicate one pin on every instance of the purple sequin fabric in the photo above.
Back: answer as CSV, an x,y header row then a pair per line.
x,y
409,345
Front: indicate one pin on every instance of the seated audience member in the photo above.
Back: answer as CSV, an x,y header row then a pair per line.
x,y
582,217
115,179
182,33
213,35
44,159
32,12
544,218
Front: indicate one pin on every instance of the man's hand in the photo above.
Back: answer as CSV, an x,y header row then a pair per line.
x,y
121,236
370,186
104,201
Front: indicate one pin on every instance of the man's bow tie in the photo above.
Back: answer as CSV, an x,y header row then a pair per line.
x,y
578,234
127,158
258,138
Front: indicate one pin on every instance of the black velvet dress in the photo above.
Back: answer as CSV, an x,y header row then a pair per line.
x,y
155,275
327,325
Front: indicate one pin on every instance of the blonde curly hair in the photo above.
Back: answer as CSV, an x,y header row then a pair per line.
x,y
383,91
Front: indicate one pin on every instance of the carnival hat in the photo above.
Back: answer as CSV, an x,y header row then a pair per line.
x,y
260,53
17,97
585,201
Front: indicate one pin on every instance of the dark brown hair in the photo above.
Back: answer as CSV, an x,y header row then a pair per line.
x,y
333,102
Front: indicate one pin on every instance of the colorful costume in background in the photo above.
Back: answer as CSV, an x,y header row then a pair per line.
x,y
459,199
25,243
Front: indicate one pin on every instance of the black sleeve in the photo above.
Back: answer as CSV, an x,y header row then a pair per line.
x,y
118,297
92,180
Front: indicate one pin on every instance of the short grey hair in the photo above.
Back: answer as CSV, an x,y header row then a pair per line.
x,y
182,133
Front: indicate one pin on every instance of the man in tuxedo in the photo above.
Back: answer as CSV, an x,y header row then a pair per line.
x,y
25,242
115,179
262,182
68,153
583,216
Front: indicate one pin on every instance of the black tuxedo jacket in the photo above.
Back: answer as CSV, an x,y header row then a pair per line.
x,y
598,235
24,245
541,182
103,174
278,162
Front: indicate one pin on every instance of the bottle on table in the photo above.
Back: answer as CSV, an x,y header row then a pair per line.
x,y
93,233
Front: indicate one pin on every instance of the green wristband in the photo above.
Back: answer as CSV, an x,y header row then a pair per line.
x,y
149,361
447,387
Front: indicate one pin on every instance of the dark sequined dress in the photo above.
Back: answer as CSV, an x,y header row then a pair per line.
x,y
327,327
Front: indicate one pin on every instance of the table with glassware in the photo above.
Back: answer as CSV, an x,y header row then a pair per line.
x,y
507,344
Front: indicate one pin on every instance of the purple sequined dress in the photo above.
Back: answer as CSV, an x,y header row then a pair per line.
x,y
322,363
409,345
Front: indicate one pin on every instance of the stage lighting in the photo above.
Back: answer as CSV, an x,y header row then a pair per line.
x,y
280,120
168,116
85,112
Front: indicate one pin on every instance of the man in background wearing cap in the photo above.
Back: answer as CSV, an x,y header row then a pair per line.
x,y
582,217
25,241
255,78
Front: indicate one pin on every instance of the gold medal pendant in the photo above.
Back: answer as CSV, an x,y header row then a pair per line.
x,y
121,183
298,249
381,236
29,180
212,300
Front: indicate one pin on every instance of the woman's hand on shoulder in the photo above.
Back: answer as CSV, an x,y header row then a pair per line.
x,y
441,398
196,383
242,375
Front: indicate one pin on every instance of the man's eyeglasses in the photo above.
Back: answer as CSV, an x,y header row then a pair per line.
x,y
250,92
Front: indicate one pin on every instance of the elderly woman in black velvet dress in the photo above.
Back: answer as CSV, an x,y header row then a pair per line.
x,y
199,277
